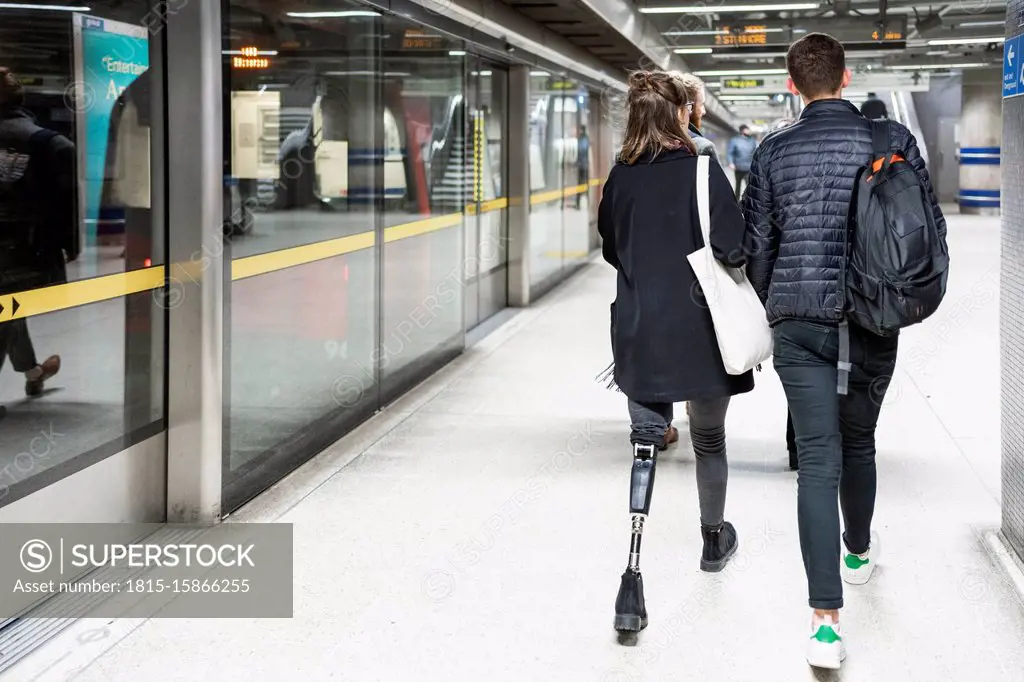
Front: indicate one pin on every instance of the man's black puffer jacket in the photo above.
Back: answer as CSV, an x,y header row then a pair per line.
x,y
796,207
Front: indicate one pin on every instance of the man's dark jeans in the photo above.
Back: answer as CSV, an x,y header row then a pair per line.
x,y
835,439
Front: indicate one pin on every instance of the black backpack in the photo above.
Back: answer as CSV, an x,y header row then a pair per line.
x,y
897,261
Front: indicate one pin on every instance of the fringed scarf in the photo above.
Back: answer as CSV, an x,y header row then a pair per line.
x,y
607,377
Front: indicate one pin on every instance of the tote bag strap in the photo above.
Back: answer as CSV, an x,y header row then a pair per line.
x,y
704,199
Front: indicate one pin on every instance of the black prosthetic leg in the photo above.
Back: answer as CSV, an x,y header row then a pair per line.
x,y
630,609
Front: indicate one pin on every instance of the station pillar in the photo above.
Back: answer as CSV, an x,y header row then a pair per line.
x,y
981,136
1011,312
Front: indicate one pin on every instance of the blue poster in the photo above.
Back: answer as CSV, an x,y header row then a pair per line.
x,y
109,55
1013,68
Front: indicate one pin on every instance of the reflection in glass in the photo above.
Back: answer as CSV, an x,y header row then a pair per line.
x,y
305,151
77,198
424,276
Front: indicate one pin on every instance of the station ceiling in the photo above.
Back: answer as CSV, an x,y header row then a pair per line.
x,y
717,37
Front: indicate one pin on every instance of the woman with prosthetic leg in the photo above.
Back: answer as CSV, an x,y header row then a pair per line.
x,y
663,340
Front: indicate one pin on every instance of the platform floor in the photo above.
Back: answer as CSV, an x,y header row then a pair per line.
x,y
476,530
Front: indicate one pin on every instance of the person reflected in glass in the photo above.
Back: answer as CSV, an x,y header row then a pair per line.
x,y
38,222
582,162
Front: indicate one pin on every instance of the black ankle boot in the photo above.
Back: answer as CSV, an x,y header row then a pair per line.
x,y
630,609
794,463
719,544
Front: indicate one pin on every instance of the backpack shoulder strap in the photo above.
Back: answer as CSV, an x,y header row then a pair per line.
x,y
880,142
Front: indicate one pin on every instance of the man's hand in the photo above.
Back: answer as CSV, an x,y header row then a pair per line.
x,y
732,166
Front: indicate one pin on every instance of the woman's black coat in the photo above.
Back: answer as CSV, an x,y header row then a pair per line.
x,y
662,337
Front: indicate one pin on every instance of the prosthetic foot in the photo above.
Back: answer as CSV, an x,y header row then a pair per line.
x,y
630,609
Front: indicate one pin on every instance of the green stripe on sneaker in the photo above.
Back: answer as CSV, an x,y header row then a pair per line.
x,y
854,562
826,635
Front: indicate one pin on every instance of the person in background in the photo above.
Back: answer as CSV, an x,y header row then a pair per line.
x,y
696,94
663,338
740,154
582,161
797,205
874,108
38,223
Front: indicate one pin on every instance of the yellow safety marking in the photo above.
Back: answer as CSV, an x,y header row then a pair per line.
x,y
260,264
595,182
396,232
566,254
571,191
82,292
494,204
541,197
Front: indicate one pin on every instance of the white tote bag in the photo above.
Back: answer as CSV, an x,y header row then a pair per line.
x,y
741,326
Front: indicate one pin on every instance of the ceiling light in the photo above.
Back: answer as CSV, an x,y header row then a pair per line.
x,y
484,74
387,74
713,85
744,98
981,24
724,9
966,41
456,53
252,53
695,33
719,33
916,67
743,72
334,15
936,53
693,50
540,74
55,8
733,54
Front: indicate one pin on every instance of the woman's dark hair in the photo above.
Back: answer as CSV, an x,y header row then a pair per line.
x,y
12,94
653,124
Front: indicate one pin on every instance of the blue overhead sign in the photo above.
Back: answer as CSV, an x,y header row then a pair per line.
x,y
1013,67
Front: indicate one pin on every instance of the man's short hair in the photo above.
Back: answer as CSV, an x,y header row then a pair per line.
x,y
816,63
744,127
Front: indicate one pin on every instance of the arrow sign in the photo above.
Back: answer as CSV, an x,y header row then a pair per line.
x,y
1013,73
14,310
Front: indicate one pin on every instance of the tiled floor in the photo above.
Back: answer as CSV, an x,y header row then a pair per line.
x,y
476,530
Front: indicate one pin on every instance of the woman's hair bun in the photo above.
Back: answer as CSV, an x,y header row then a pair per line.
x,y
640,80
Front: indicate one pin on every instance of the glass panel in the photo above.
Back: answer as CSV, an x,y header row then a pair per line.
x,y
425,199
492,239
304,151
546,155
486,248
576,172
80,197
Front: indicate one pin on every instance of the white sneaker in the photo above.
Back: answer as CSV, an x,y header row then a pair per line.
x,y
825,648
856,569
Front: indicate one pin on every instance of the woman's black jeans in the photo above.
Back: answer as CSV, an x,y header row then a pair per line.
x,y
835,439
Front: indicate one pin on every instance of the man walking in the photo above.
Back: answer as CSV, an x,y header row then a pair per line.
x,y
796,206
740,153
